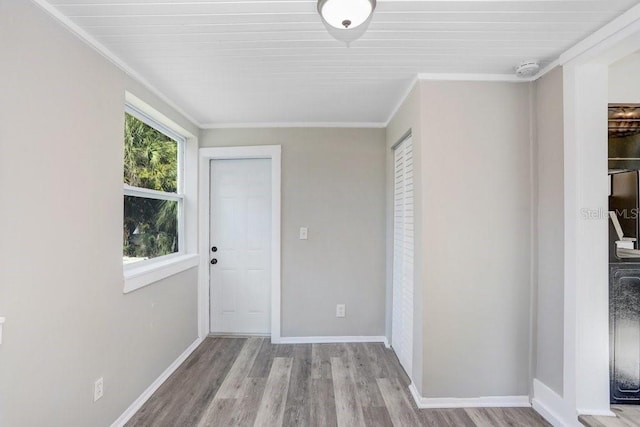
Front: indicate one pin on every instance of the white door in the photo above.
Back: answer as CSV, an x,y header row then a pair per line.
x,y
402,308
240,242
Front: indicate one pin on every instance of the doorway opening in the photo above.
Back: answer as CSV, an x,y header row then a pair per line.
x,y
587,382
624,232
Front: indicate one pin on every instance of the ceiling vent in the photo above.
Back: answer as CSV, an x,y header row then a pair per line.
x,y
527,69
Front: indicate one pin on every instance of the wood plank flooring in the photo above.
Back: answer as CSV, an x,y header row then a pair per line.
x,y
626,416
251,382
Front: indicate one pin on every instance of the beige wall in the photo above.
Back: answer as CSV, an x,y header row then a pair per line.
x,y
68,322
473,239
549,125
624,85
477,237
332,183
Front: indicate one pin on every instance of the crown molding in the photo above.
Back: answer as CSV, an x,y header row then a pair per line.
x,y
459,77
401,100
548,68
473,77
110,56
628,22
268,125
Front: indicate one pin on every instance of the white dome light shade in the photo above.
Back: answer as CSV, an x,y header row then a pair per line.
x,y
345,14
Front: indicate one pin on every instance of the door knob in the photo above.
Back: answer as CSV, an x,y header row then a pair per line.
x,y
214,261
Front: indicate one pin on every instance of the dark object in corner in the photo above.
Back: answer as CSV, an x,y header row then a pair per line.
x,y
624,332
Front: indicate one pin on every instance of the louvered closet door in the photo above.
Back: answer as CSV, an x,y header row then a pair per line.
x,y
402,316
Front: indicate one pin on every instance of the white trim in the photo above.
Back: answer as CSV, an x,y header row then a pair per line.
x,y
401,100
470,402
332,340
232,335
141,107
109,55
595,41
548,414
586,311
415,394
141,400
147,116
152,194
469,77
586,281
629,18
597,413
476,402
139,276
551,406
546,69
533,236
187,178
273,152
146,272
475,77
267,125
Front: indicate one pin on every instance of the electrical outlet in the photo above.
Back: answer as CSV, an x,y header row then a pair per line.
x,y
304,233
98,389
341,310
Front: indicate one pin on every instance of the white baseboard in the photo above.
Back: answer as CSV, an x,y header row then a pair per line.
x,y
137,404
596,413
551,406
231,335
328,340
471,402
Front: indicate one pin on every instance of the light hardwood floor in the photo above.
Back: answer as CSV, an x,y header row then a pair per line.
x,y
251,382
626,416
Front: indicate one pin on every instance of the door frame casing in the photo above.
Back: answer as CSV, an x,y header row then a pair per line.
x,y
273,153
586,281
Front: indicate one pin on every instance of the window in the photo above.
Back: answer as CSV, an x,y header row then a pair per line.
x,y
153,198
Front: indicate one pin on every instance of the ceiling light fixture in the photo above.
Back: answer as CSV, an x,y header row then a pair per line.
x,y
346,20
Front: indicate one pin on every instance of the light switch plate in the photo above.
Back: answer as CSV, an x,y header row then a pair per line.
x,y
341,310
304,233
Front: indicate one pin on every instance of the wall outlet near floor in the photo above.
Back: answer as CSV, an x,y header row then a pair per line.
x,y
304,233
341,310
98,389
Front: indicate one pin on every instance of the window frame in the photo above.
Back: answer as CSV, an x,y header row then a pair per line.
x,y
146,272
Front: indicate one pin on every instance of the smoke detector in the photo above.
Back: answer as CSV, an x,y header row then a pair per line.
x,y
527,69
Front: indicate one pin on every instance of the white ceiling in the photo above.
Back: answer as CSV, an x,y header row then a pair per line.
x,y
263,61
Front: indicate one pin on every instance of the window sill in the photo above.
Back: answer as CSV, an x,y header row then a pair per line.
x,y
136,277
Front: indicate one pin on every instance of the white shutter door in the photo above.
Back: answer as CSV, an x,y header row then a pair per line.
x,y
402,313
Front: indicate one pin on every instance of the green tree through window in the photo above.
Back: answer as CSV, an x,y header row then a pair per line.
x,y
150,162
